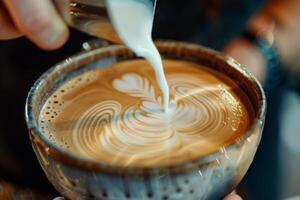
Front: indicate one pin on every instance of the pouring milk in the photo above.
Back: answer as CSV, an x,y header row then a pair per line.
x,y
133,21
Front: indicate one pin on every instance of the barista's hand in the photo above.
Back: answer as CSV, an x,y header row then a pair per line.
x,y
247,54
36,19
233,196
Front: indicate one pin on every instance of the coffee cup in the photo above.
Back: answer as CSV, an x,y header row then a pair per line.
x,y
208,177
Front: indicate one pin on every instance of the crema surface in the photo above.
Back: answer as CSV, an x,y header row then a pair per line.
x,y
115,115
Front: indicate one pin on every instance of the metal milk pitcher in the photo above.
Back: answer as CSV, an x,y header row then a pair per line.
x,y
91,16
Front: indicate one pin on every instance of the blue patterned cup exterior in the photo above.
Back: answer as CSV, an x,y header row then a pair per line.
x,y
209,177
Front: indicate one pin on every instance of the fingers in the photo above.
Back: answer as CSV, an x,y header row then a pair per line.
x,y
7,28
233,196
248,55
39,21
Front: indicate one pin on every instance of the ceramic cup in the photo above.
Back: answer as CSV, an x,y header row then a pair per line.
x,y
209,177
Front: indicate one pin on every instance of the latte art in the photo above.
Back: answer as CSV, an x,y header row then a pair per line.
x,y
117,115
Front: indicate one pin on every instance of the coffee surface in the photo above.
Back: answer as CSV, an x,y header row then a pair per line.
x,y
115,115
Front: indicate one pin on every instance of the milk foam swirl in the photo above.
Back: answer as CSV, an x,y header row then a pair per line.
x,y
117,117
144,131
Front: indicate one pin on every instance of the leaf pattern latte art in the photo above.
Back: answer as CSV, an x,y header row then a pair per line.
x,y
199,113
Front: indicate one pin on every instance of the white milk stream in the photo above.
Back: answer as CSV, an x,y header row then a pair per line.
x,y
133,21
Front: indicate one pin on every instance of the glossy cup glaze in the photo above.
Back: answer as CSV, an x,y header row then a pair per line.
x,y
209,177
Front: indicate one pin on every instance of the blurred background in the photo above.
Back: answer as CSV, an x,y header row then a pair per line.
x,y
214,23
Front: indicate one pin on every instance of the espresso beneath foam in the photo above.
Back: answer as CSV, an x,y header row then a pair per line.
x,y
115,115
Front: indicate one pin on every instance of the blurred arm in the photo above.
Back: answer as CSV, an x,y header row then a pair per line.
x,y
285,14
283,17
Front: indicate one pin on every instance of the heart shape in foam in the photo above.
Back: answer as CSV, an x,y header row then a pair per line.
x,y
128,82
136,86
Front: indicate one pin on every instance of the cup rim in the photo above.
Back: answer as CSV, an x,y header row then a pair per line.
x,y
58,153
